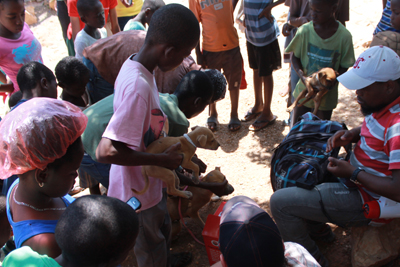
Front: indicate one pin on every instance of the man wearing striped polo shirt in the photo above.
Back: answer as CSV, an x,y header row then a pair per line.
x,y
374,167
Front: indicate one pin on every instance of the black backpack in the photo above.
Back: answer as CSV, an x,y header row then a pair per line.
x,y
301,159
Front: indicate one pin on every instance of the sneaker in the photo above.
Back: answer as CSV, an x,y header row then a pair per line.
x,y
325,235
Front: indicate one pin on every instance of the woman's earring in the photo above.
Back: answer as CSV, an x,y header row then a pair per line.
x,y
39,183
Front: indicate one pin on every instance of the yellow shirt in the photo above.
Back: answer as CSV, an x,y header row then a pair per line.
x,y
123,11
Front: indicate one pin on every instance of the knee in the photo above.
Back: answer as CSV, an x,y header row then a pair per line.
x,y
278,201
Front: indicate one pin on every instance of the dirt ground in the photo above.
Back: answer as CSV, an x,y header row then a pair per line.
x,y
245,156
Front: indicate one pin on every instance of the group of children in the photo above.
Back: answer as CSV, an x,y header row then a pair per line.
x,y
41,137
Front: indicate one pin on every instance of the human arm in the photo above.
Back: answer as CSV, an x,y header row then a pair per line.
x,y
114,152
114,21
234,3
296,63
3,77
75,26
384,186
44,244
199,57
217,188
384,2
7,88
298,21
342,138
267,11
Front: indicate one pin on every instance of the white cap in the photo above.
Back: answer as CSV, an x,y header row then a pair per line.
x,y
376,64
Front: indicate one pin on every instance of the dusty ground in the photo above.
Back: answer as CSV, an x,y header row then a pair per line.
x,y
245,156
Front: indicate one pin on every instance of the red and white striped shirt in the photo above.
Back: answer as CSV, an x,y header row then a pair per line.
x,y
378,151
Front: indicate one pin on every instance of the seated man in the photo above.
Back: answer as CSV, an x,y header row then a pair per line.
x,y
244,222
105,58
93,231
196,90
374,167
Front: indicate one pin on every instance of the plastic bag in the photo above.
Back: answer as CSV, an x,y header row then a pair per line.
x,y
37,133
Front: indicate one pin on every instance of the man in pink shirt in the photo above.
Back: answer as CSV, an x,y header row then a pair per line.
x,y
138,121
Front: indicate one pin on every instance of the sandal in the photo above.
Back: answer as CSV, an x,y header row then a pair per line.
x,y
234,124
212,124
259,125
181,259
250,115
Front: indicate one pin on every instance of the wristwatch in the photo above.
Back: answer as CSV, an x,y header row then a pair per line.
x,y
353,177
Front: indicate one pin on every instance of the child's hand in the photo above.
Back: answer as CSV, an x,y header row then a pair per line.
x,y
267,13
173,158
340,168
286,29
127,3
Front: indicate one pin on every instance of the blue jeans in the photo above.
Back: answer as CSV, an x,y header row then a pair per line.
x,y
291,207
98,87
99,171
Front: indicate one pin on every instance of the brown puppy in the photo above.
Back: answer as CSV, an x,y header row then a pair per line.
x,y
190,208
317,85
200,137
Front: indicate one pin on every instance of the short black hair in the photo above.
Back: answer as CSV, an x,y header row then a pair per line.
x,y
31,73
194,84
14,98
219,83
152,4
70,70
85,6
174,25
95,229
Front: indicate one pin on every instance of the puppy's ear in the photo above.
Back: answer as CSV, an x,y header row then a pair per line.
x,y
194,127
321,75
202,140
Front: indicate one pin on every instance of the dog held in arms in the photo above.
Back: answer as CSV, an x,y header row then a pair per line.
x,y
317,85
200,137
190,207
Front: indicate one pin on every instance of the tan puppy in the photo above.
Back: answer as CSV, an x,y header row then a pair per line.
x,y
317,85
200,137
190,207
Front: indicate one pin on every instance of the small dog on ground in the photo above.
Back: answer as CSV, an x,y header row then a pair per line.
x,y
317,85
200,137
190,207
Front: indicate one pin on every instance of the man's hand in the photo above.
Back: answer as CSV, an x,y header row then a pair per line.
x,y
286,29
340,138
267,13
200,163
340,168
173,159
126,3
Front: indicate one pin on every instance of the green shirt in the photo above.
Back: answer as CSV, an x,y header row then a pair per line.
x,y
316,53
100,113
133,25
178,123
25,256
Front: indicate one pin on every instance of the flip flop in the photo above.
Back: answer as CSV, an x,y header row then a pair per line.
x,y
250,115
263,124
212,124
234,124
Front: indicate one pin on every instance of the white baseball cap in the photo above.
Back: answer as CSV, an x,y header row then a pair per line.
x,y
376,64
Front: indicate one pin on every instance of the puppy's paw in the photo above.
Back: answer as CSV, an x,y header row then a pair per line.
x,y
188,194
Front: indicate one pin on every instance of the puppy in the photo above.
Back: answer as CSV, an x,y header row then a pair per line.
x,y
200,137
317,85
190,208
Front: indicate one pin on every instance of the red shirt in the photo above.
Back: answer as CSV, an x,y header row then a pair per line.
x,y
73,12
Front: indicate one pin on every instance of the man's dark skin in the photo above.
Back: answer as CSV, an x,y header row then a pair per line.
x,y
371,98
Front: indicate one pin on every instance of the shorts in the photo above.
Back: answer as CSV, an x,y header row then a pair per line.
x,y
265,59
230,62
